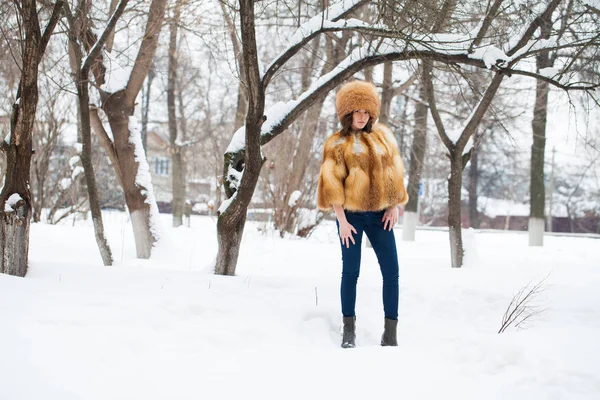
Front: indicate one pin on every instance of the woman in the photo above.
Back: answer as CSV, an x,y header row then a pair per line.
x,y
362,179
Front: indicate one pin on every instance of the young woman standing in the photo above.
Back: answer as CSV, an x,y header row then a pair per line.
x,y
362,179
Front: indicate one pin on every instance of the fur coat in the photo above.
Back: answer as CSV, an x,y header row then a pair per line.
x,y
362,172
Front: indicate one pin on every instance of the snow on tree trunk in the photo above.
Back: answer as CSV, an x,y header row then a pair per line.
x,y
409,226
135,173
536,231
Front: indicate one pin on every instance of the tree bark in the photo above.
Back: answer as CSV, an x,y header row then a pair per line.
x,y
16,216
146,106
126,151
454,210
88,166
82,73
242,97
537,186
178,170
417,151
231,220
472,184
387,93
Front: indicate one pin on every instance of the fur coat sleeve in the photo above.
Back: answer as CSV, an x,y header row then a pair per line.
x,y
333,174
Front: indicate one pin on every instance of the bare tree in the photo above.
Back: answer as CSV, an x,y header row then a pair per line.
x,y
522,307
243,159
126,150
178,170
15,198
81,70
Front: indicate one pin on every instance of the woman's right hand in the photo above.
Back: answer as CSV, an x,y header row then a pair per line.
x,y
346,233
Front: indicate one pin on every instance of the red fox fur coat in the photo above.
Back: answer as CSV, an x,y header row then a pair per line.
x,y
362,171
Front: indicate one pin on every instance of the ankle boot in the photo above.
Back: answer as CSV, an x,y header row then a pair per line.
x,y
349,332
389,333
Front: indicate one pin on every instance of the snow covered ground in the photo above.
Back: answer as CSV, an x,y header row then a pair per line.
x,y
166,328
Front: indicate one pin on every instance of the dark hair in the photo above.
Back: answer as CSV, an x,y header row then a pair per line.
x,y
347,125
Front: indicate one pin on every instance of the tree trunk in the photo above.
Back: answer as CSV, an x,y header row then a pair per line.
x,y
538,125
82,79
472,185
126,151
16,215
146,107
387,93
88,167
242,96
131,164
178,172
230,225
454,209
415,169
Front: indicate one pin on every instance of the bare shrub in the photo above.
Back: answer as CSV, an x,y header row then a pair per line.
x,y
522,308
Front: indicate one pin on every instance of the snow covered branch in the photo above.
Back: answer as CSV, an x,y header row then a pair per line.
x,y
110,26
327,21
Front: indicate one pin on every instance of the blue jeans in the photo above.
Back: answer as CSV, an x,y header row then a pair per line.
x,y
384,244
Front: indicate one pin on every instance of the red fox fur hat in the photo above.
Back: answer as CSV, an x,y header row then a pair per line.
x,y
357,95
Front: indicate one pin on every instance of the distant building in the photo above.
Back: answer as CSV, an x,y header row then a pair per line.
x,y
198,190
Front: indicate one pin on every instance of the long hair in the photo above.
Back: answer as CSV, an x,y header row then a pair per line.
x,y
347,125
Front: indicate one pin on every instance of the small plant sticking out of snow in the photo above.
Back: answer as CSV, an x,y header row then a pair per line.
x,y
523,307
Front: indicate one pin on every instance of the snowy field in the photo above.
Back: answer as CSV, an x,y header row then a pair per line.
x,y
166,328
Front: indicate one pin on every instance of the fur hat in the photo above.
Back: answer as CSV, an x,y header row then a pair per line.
x,y
357,95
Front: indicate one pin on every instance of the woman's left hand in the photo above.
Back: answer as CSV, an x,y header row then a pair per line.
x,y
390,218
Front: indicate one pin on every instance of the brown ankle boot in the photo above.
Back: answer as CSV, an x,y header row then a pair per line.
x,y
389,333
349,332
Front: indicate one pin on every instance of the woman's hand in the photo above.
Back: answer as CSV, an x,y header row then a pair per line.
x,y
346,233
390,218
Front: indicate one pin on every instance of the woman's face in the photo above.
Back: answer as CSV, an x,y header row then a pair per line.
x,y
359,119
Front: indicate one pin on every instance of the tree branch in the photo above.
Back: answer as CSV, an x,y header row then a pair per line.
x,y
105,140
54,18
487,21
143,62
105,35
479,112
590,87
433,107
536,23
292,50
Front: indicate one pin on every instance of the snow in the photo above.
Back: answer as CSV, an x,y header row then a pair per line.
x,y
74,160
490,55
76,171
548,72
65,183
294,197
143,177
494,207
11,202
225,204
234,176
238,141
117,74
166,328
